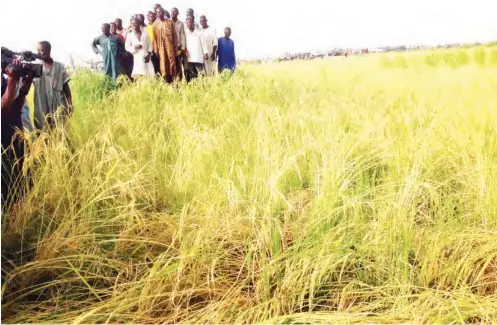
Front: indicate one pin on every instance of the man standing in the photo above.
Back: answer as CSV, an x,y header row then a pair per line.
x,y
138,43
13,99
52,94
210,40
150,29
195,49
226,52
181,59
165,45
109,45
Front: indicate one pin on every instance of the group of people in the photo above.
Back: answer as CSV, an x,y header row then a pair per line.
x,y
165,46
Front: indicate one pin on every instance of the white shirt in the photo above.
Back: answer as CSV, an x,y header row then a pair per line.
x,y
210,38
196,46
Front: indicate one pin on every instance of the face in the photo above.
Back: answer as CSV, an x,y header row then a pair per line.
x,y
118,22
227,32
135,24
105,29
174,12
203,22
142,18
43,52
151,18
160,13
189,23
113,29
189,12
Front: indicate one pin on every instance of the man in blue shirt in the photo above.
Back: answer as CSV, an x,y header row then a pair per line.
x,y
226,52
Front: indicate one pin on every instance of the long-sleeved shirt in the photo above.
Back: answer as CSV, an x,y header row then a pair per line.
x,y
180,32
196,46
210,38
226,51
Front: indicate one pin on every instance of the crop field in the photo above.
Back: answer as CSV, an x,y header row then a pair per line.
x,y
351,190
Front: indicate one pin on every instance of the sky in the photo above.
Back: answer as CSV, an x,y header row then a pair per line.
x,y
259,27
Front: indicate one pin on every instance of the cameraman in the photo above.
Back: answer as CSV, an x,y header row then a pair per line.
x,y
52,95
13,100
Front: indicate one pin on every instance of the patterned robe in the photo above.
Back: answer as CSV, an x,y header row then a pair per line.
x,y
166,45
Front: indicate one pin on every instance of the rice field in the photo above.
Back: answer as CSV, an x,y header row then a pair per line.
x,y
352,190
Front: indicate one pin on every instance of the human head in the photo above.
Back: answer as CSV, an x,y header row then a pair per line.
x,y
203,22
142,19
156,6
166,14
119,23
113,28
189,11
106,29
227,32
151,17
160,13
44,50
174,13
189,23
135,24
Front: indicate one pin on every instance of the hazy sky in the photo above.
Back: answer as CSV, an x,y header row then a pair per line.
x,y
260,27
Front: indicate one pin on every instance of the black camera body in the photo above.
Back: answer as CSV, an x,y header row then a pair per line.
x,y
26,68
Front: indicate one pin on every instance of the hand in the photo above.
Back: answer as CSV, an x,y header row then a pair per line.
x,y
213,57
70,109
206,57
11,70
26,85
187,53
147,58
138,47
179,53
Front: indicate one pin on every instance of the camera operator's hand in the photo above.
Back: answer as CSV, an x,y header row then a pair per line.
x,y
11,71
26,85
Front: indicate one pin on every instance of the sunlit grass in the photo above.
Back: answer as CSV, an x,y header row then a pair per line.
x,y
357,190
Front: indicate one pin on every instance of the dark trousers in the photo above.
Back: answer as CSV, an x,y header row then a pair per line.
x,y
179,68
194,69
127,63
155,62
12,180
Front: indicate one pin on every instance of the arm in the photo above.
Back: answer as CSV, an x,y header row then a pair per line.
x,y
10,94
175,36
67,90
129,46
96,42
20,101
214,46
205,49
182,37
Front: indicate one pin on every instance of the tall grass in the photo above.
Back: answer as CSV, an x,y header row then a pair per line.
x,y
339,191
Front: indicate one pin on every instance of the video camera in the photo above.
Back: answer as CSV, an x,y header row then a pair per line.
x,y
26,68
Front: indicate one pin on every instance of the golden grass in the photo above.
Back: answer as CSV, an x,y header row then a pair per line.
x,y
358,190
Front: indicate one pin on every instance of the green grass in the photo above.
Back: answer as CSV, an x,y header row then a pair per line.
x,y
357,190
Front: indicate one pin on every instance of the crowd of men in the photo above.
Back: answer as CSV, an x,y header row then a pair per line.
x,y
165,46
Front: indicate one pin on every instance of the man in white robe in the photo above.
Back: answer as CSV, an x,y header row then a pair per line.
x,y
209,36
